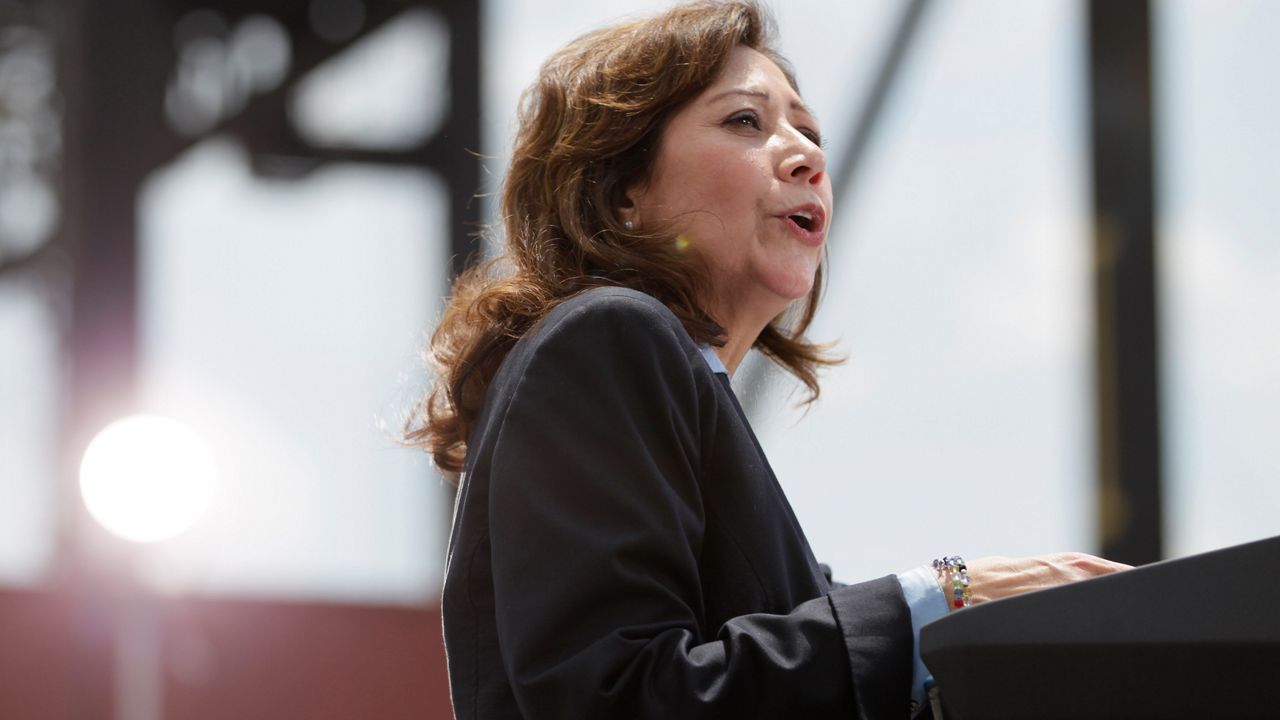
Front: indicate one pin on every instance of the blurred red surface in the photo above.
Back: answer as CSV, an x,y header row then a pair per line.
x,y
224,659
38,659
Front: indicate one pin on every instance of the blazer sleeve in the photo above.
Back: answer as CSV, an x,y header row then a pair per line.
x,y
596,521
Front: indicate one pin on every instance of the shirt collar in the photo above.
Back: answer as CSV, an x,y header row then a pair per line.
x,y
713,360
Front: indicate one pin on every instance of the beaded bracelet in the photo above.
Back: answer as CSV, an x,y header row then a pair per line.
x,y
953,572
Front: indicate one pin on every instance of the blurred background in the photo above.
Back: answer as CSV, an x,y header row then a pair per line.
x,y
1052,268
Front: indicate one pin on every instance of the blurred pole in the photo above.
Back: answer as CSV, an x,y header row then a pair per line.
x,y
139,674
868,118
1127,361
113,60
460,135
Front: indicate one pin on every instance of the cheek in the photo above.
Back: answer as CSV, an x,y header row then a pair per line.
x,y
709,191
720,162
732,168
708,179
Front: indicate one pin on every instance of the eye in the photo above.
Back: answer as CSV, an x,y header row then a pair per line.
x,y
814,137
746,118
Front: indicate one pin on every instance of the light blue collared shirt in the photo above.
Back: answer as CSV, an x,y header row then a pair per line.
x,y
717,366
920,587
927,603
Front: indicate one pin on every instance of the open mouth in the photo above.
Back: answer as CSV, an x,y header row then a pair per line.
x,y
804,220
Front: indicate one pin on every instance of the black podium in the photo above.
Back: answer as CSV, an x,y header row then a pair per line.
x,y
1197,637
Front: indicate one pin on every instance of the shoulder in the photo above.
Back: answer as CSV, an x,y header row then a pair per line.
x,y
613,351
605,304
610,320
603,361
602,336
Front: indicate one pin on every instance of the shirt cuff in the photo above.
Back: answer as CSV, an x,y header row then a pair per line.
x,y
927,603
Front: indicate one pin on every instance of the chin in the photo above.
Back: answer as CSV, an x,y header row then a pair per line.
x,y
792,288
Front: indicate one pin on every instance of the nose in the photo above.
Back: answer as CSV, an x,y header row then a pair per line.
x,y
803,161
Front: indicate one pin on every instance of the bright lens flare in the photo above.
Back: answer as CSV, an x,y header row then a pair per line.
x,y
146,478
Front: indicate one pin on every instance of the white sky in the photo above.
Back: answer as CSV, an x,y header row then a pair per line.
x,y
958,290
1221,270
958,287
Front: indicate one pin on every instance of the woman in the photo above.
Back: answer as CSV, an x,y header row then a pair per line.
x,y
620,546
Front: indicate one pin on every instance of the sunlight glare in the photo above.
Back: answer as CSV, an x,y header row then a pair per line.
x,y
146,478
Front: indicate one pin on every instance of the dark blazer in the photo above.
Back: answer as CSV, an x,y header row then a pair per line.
x,y
621,548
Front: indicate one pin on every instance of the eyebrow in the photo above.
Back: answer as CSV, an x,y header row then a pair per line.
x,y
795,104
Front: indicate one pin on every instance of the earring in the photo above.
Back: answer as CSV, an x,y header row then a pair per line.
x,y
628,225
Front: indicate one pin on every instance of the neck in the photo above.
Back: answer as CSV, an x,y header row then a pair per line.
x,y
742,325
733,352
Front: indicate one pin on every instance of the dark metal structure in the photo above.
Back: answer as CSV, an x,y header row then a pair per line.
x,y
115,65
1126,320
117,61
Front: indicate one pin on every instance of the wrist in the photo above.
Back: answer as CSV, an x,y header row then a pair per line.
x,y
953,577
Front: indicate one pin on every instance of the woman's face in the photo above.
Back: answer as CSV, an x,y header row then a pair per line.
x,y
741,176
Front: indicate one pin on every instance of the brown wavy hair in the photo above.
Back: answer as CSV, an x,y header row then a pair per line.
x,y
589,131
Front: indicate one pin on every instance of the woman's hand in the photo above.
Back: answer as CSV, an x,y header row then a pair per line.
x,y
992,578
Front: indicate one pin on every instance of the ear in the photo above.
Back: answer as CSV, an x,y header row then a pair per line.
x,y
629,205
